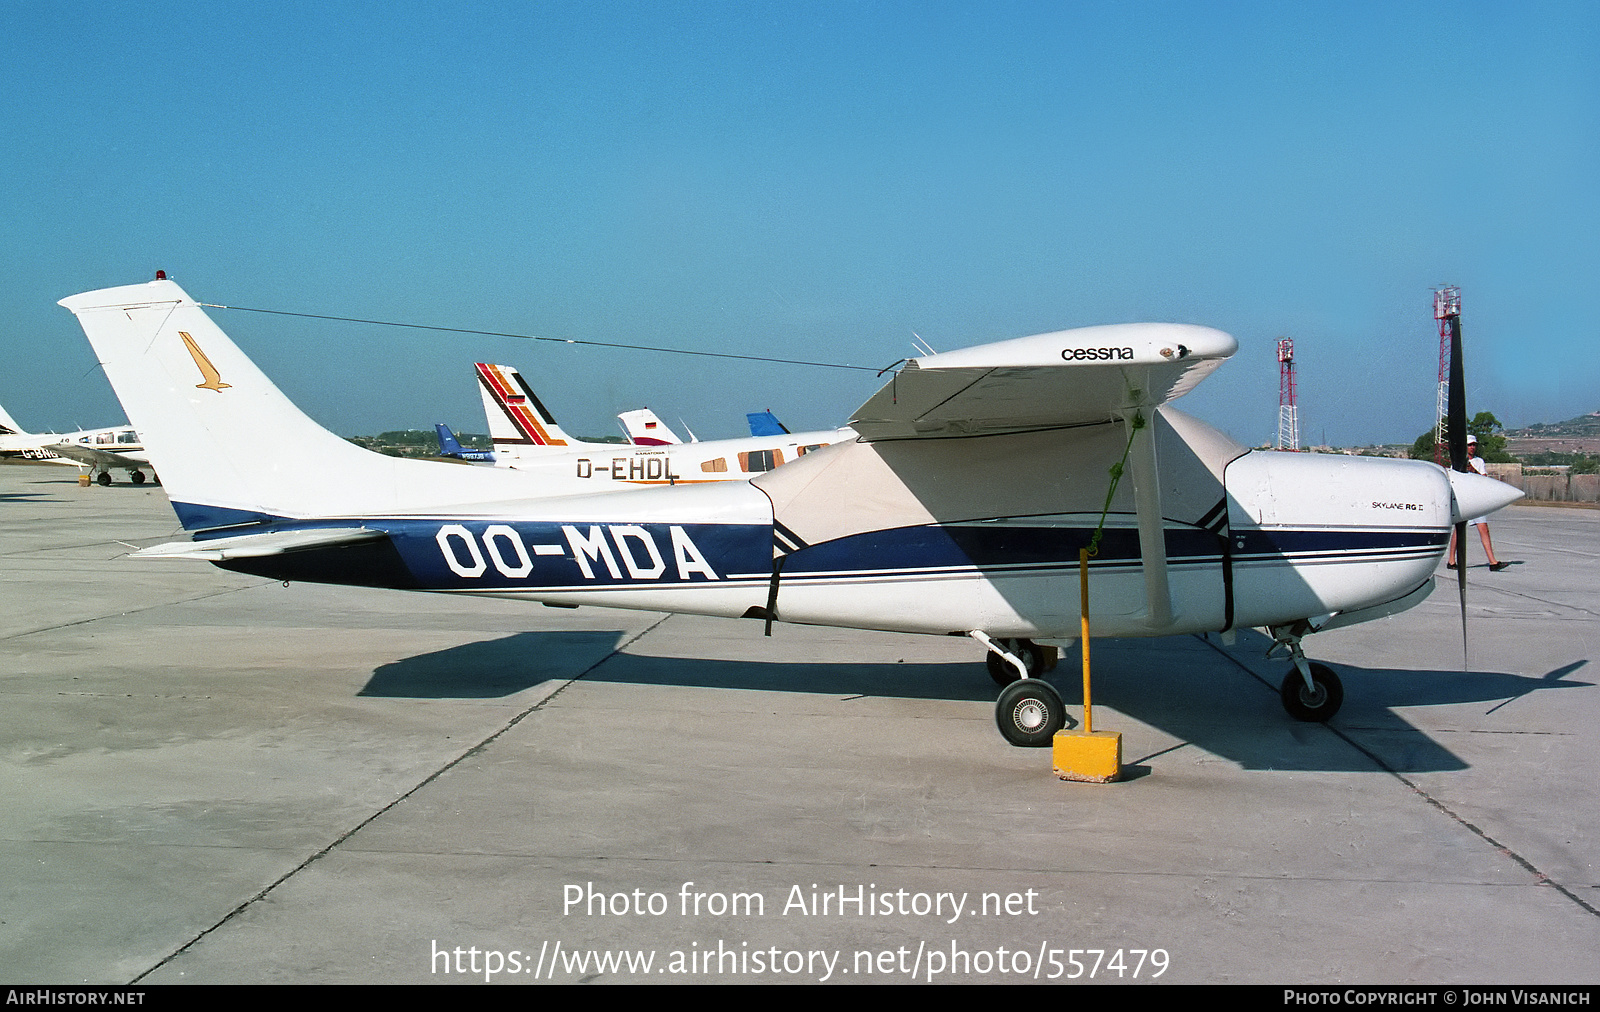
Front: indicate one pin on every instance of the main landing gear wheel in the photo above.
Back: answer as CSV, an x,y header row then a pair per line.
x,y
1030,712
104,478
1304,704
137,476
1002,670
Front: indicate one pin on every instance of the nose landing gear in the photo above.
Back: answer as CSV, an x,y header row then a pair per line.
x,y
1310,691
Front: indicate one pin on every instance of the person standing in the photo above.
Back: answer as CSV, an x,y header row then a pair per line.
x,y
1495,565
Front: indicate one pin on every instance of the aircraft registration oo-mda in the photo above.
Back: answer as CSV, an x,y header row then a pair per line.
x,y
960,508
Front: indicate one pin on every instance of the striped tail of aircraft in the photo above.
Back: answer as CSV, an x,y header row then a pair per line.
x,y
518,421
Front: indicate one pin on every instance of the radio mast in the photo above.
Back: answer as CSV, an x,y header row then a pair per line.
x,y
1288,410
1446,306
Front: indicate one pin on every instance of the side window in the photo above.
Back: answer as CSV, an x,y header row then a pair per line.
x,y
715,466
760,460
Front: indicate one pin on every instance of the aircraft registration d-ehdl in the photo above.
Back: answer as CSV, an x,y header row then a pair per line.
x,y
527,438
958,510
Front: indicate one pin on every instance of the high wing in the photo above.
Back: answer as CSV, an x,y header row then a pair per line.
x,y
1065,378
1058,380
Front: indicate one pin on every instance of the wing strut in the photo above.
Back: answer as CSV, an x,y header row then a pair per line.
x,y
1152,529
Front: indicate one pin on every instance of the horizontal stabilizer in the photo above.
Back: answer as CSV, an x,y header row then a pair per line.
x,y
255,546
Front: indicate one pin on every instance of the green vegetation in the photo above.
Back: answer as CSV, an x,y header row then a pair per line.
x,y
1491,440
416,442
1583,425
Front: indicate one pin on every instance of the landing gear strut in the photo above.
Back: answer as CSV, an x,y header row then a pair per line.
x,y
1038,660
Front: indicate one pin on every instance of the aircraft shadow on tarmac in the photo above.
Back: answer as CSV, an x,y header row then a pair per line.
x,y
1180,685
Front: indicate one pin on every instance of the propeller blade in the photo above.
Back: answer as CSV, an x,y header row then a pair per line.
x,y
1456,430
1456,408
1461,586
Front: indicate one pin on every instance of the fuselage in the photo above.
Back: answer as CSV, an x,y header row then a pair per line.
x,y
941,536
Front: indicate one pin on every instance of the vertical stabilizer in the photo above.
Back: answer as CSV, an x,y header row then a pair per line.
x,y
8,425
645,429
230,447
519,423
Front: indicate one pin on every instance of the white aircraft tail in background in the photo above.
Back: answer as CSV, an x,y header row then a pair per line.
x,y
977,477
645,429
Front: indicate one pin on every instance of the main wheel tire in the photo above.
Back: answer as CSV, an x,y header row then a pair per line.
x,y
1029,713
104,478
1003,673
1318,706
137,476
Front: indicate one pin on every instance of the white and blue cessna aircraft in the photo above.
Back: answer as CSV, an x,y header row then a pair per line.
x,y
959,510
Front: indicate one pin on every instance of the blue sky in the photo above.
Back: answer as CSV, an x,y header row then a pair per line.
x,y
812,181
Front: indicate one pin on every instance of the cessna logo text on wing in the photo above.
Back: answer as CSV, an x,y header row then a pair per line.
x,y
1095,354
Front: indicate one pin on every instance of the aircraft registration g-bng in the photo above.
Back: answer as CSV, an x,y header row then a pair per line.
x,y
959,510
526,437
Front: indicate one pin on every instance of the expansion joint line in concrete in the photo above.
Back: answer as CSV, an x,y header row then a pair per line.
x,y
121,614
425,781
1539,877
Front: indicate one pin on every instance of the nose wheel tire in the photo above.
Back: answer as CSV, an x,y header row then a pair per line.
x,y
1319,705
1029,713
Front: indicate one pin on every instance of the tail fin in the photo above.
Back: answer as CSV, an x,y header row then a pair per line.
x,y
518,420
449,445
230,447
645,429
9,426
765,423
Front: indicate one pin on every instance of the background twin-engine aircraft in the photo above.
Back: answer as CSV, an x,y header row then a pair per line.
x,y
958,507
